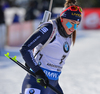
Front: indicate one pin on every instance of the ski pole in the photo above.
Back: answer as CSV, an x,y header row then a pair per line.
x,y
29,71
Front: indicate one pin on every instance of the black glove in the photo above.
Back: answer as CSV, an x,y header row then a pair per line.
x,y
41,78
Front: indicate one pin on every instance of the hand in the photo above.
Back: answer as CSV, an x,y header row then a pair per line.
x,y
41,78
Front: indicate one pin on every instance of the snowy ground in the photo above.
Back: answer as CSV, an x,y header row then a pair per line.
x,y
80,75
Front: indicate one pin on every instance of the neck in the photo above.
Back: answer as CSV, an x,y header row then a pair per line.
x,y
61,29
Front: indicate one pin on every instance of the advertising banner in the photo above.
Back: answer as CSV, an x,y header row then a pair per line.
x,y
91,18
18,33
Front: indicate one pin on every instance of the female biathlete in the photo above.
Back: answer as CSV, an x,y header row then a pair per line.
x,y
48,63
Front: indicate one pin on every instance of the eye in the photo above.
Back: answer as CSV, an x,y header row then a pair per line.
x,y
77,24
72,23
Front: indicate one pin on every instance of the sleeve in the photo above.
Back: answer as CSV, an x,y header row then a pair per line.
x,y
41,35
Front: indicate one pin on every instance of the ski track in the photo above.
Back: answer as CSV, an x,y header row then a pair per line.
x,y
80,74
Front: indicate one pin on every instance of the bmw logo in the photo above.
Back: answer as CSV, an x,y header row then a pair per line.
x,y
32,91
66,47
39,63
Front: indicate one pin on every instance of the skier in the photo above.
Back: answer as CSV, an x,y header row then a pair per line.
x,y
48,63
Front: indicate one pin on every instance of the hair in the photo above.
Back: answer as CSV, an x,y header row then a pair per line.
x,y
67,4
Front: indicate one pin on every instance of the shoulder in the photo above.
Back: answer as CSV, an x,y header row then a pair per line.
x,y
49,25
46,26
45,29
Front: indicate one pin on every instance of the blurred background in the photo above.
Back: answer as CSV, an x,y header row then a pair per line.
x,y
16,14
19,18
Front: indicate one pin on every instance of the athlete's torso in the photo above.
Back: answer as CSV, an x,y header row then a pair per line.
x,y
53,56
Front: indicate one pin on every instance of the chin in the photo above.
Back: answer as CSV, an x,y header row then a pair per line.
x,y
69,33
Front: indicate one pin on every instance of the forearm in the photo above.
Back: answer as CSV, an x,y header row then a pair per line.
x,y
29,59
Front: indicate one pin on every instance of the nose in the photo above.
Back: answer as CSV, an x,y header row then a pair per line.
x,y
72,28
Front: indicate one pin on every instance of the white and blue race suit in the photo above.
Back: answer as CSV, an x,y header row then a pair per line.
x,y
50,59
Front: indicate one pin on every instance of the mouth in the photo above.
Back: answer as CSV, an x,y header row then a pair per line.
x,y
71,30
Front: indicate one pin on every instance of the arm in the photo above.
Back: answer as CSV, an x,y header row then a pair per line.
x,y
40,36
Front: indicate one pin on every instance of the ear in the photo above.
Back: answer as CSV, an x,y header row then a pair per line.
x,y
61,19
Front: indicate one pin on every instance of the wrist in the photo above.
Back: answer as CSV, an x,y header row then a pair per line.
x,y
36,68
40,72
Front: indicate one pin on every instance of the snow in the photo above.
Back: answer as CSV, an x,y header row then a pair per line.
x,y
11,75
80,75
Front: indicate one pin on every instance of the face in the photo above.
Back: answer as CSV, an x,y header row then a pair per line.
x,y
69,25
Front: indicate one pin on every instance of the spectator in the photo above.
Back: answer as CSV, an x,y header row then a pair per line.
x,y
2,21
5,5
2,29
30,13
16,18
42,7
